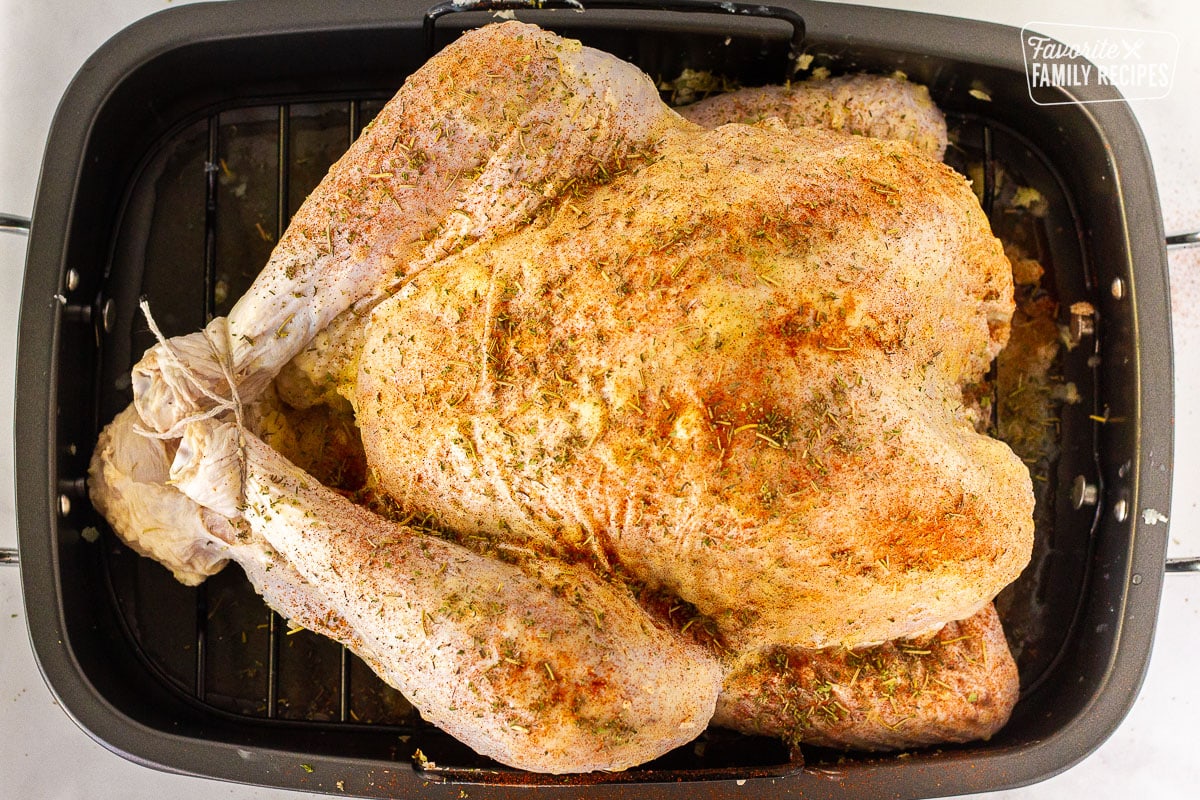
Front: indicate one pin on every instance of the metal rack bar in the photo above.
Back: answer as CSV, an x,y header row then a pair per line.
x,y
988,201
344,686
282,215
212,169
201,641
283,156
344,707
211,172
989,175
273,623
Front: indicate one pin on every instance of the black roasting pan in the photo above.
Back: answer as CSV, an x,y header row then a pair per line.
x,y
174,161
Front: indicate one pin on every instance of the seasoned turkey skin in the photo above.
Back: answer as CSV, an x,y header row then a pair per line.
x,y
538,664
879,106
957,685
732,371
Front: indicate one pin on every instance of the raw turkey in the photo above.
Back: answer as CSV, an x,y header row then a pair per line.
x,y
723,366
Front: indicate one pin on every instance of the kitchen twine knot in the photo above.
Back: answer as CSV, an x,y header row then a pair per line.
x,y
221,405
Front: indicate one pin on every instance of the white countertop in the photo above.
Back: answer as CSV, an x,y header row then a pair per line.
x,y
1153,754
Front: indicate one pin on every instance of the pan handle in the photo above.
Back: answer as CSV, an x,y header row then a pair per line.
x,y
12,223
1179,240
701,6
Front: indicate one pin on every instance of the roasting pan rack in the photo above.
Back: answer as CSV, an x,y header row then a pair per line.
x,y
198,217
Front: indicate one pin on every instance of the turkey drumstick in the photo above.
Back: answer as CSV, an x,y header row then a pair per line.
x,y
538,664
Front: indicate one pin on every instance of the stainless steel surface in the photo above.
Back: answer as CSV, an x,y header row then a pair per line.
x,y
12,223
